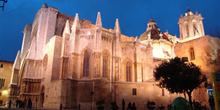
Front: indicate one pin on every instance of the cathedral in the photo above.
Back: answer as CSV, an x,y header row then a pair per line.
x,y
69,61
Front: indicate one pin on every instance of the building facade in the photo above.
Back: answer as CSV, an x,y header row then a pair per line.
x,y
5,78
68,61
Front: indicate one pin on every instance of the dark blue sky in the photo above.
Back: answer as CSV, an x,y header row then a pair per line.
x,y
133,16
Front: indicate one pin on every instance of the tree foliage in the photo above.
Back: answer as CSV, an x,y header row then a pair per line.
x,y
178,76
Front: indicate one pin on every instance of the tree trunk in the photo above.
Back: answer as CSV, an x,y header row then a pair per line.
x,y
190,99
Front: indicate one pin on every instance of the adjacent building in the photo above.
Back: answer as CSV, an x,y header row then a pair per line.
x,y
5,78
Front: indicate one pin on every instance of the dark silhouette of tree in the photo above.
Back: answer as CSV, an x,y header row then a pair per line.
x,y
179,77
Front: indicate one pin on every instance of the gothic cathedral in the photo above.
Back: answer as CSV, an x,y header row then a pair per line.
x,y
69,61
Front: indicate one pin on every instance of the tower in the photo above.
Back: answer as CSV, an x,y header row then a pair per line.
x,y
191,26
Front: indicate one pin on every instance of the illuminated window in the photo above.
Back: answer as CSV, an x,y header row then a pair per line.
x,y
187,29
128,71
86,64
105,65
134,91
192,54
162,91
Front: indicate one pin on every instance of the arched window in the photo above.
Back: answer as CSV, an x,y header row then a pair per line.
x,y
195,30
187,30
86,64
192,54
105,65
128,71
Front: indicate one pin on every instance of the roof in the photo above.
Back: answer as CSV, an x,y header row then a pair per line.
x,y
188,10
151,20
154,34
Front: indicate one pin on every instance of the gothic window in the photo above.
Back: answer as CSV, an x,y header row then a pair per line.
x,y
192,54
128,71
86,64
105,65
187,29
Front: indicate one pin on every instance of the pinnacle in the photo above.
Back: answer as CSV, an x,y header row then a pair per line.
x,y
98,20
44,5
117,27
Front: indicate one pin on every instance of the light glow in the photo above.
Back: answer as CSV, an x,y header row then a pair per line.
x,y
5,92
89,33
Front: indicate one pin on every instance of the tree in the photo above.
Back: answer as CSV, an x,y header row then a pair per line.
x,y
179,77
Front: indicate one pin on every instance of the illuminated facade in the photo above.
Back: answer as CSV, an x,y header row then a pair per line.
x,y
191,26
64,60
5,78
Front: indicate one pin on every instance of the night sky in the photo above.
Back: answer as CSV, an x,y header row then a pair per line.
x,y
133,16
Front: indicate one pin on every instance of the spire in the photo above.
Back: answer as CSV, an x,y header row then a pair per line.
x,y
44,5
181,15
117,27
188,12
76,24
66,28
151,20
98,20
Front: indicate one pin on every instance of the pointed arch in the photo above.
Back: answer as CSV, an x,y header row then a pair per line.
x,y
105,64
127,65
128,71
86,61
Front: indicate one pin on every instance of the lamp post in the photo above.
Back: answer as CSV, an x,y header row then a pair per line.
x,y
91,93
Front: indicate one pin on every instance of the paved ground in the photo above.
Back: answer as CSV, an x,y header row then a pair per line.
x,y
31,109
3,108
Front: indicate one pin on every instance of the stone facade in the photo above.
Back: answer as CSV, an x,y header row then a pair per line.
x,y
68,61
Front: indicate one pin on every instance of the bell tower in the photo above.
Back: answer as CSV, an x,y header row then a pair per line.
x,y
191,26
